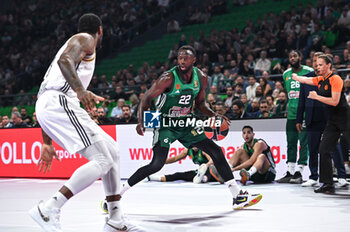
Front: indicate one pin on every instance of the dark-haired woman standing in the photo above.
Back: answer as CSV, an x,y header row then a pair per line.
x,y
331,93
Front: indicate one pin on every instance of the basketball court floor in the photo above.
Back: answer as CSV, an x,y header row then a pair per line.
x,y
185,207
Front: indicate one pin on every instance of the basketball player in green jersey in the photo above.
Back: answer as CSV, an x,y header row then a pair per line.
x,y
293,87
254,159
178,90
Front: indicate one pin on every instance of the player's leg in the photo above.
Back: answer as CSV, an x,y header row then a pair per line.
x,y
238,157
292,141
100,162
260,166
329,141
241,199
303,157
160,155
185,176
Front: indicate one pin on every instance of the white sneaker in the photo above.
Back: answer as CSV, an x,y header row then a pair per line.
x,y
342,182
310,183
244,199
118,226
200,174
48,220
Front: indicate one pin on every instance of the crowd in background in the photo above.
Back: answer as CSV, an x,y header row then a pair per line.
x,y
32,31
239,63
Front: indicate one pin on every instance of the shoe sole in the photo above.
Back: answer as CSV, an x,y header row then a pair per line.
x,y
251,202
295,181
201,172
215,177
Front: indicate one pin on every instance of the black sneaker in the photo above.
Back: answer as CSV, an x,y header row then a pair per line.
x,y
286,178
325,188
296,179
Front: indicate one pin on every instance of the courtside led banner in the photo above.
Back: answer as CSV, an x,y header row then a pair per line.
x,y
20,150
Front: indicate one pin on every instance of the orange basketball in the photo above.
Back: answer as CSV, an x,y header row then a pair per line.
x,y
217,133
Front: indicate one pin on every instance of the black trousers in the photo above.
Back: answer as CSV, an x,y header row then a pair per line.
x,y
334,128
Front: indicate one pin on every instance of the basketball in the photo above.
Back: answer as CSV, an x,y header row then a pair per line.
x,y
215,132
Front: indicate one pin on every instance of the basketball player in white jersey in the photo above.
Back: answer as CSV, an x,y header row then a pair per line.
x,y
63,120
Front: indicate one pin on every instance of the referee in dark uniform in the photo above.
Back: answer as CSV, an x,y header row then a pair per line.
x,y
331,92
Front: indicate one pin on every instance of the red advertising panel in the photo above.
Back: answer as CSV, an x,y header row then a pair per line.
x,y
20,152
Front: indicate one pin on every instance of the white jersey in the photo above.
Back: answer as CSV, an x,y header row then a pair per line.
x,y
54,79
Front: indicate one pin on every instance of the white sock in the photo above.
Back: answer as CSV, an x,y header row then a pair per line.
x,y
56,201
115,210
291,167
126,186
252,171
155,178
300,168
233,187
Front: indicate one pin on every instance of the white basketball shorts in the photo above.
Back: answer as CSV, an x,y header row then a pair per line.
x,y
69,125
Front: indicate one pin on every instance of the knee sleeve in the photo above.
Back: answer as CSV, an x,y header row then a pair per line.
x,y
100,153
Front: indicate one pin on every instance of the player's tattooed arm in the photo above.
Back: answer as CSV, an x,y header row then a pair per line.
x,y
78,47
46,139
163,83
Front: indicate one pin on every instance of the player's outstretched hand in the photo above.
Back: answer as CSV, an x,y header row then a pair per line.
x,y
46,156
88,99
139,128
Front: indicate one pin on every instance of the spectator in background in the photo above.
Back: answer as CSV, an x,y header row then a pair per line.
x,y
173,26
23,99
267,89
230,98
270,101
25,117
281,105
266,76
221,109
259,94
126,117
250,90
217,76
264,108
262,64
182,41
253,108
214,92
17,120
244,69
173,53
6,122
238,110
240,80
101,117
119,93
35,121
134,104
117,111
